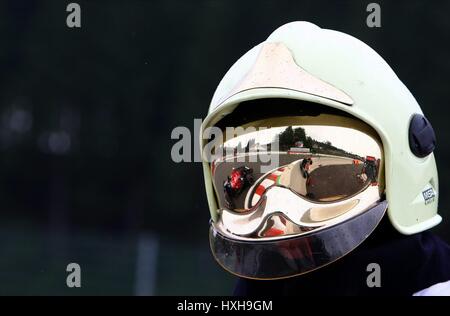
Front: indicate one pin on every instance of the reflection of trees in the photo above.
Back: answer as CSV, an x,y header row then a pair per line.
x,y
328,149
290,136
286,139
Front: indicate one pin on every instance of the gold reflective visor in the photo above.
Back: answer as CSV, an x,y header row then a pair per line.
x,y
278,181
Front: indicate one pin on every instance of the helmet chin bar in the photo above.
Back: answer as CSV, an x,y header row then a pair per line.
x,y
275,258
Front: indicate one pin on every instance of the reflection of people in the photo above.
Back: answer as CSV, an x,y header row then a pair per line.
x,y
228,192
409,257
370,169
304,167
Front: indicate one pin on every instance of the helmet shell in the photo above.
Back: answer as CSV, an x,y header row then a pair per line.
x,y
378,98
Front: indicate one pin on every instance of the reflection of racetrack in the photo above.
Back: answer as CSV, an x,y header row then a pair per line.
x,y
334,181
331,177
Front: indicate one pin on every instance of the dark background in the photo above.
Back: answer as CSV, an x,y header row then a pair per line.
x,y
86,117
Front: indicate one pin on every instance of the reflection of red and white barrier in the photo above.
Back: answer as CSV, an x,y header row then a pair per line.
x,y
278,227
298,151
268,181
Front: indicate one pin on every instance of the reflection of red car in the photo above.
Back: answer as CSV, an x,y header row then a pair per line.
x,y
236,182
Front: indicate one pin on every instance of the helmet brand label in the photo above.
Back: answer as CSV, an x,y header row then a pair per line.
x,y
429,195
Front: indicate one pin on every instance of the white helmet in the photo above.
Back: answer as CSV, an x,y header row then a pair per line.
x,y
355,97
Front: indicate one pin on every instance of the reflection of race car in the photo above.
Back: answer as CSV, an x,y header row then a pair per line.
x,y
239,179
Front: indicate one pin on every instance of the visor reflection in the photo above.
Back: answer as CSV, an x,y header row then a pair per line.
x,y
319,163
323,175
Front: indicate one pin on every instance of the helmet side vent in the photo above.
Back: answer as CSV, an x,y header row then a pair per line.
x,y
422,139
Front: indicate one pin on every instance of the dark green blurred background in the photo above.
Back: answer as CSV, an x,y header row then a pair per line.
x,y
86,117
